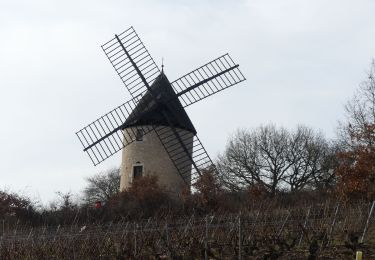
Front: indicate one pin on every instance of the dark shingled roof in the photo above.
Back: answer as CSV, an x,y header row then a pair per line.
x,y
149,112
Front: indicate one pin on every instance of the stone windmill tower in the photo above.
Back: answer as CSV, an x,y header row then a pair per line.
x,y
147,154
153,127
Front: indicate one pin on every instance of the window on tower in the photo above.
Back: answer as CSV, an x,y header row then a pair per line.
x,y
139,135
137,171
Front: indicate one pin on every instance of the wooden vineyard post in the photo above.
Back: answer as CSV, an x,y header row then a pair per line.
x,y
358,255
282,226
367,222
31,231
239,237
167,239
57,231
135,239
304,225
333,224
205,239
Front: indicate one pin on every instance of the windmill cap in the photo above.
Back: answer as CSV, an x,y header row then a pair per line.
x,y
149,112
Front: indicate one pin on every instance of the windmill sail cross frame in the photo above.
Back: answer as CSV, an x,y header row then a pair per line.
x,y
137,70
213,77
121,62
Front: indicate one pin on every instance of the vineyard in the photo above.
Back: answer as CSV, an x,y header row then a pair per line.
x,y
323,231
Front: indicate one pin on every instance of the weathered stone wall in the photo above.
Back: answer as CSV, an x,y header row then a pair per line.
x,y
151,154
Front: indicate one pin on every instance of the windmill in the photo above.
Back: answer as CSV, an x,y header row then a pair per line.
x,y
153,129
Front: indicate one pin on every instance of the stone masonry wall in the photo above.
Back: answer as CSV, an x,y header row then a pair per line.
x,y
151,154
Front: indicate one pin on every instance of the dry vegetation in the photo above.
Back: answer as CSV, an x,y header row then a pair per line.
x,y
264,231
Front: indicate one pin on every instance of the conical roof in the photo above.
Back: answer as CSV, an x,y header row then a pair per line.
x,y
149,112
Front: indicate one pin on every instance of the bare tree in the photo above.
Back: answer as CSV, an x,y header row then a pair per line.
x,y
360,114
14,205
255,157
102,186
275,159
65,201
238,163
273,156
309,155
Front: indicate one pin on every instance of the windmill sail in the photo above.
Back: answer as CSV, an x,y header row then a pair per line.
x,y
137,70
197,155
104,137
207,80
129,42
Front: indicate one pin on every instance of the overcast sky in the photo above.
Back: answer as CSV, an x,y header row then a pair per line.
x,y
302,60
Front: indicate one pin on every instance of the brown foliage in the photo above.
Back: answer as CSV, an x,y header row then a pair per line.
x,y
356,167
146,188
142,199
209,190
257,191
356,164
